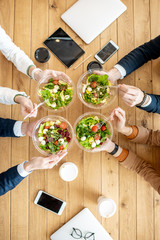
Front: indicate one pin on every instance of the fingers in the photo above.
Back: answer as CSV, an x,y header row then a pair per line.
x,y
119,111
99,72
34,111
128,89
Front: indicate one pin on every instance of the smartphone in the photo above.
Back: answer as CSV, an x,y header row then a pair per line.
x,y
106,52
50,202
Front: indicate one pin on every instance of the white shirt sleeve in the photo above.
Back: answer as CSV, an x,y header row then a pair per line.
x,y
7,95
21,171
121,70
17,129
14,53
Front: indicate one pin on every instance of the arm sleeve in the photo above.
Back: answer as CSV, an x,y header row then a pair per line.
x,y
144,169
14,53
7,95
154,106
146,136
9,180
141,55
7,127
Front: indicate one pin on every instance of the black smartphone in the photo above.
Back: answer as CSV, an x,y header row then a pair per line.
x,y
64,47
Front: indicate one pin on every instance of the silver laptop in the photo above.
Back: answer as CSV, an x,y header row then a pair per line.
x,y
83,226
88,18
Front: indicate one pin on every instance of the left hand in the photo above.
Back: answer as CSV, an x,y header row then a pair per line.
x,y
27,128
130,95
26,106
108,146
57,75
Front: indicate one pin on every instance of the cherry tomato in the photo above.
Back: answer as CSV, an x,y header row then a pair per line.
x,y
93,84
61,147
47,127
63,125
55,82
94,129
103,128
95,95
56,143
97,137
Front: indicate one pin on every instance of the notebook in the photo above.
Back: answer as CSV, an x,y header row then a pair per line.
x,y
84,221
88,18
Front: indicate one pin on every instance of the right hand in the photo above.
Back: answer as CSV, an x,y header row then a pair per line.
x,y
131,95
44,163
118,119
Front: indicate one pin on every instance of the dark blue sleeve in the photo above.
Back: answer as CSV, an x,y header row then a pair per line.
x,y
6,127
141,55
9,180
154,106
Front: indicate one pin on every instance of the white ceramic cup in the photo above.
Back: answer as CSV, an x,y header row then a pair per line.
x,y
106,207
68,171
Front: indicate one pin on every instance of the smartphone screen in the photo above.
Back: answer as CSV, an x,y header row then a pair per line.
x,y
64,47
106,51
49,202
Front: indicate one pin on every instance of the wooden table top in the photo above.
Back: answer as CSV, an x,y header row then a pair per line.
x,y
29,23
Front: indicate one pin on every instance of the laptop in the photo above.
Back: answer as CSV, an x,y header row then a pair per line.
x,y
83,224
88,18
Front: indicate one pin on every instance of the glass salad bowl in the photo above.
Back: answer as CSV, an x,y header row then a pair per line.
x,y
91,130
57,95
95,90
52,134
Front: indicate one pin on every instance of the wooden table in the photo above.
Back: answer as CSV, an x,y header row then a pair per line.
x,y
28,23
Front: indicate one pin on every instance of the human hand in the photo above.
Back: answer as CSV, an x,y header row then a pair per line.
x,y
130,95
118,120
27,128
57,75
44,163
113,74
26,106
108,146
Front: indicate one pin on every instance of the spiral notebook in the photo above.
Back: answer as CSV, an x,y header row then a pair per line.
x,y
83,223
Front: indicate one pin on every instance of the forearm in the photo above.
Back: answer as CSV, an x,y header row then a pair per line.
x,y
140,134
12,128
140,55
14,53
144,169
7,95
132,162
154,104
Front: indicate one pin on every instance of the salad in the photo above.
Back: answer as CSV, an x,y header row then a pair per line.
x,y
92,132
53,136
56,94
97,89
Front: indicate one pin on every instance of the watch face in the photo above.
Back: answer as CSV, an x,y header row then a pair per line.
x,y
94,65
42,55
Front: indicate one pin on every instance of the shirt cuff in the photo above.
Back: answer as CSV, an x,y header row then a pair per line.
x,y
21,171
17,129
121,70
148,103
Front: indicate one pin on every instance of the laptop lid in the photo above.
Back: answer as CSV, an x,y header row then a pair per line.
x,y
88,18
84,221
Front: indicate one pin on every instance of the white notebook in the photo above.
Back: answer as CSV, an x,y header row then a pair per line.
x,y
86,222
88,18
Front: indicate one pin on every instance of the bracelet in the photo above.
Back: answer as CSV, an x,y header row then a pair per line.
x,y
28,70
20,94
114,150
143,101
33,72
